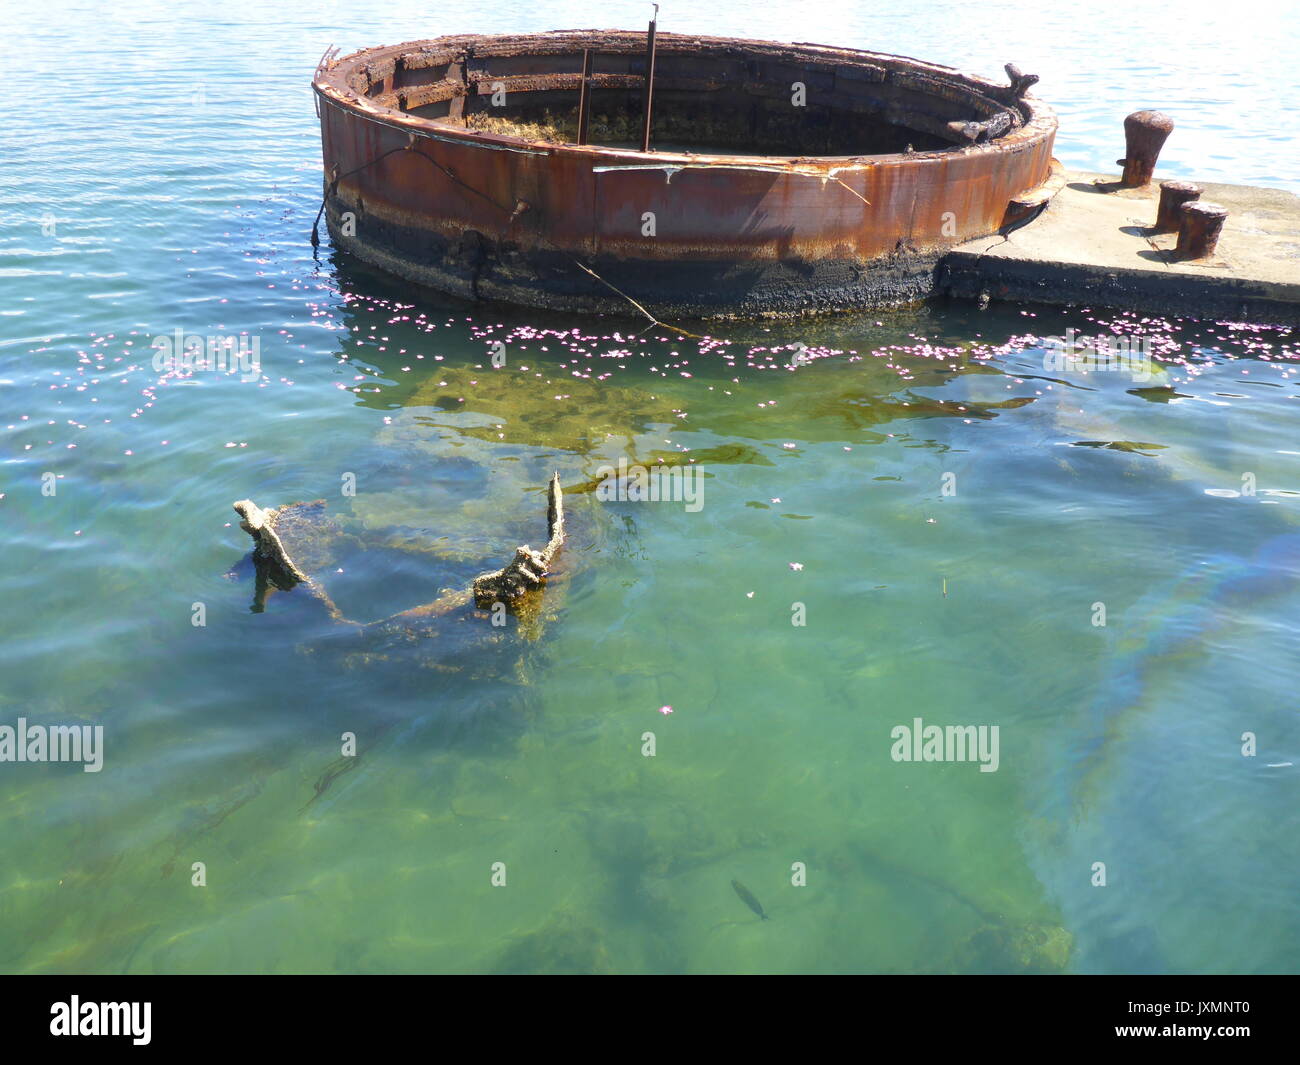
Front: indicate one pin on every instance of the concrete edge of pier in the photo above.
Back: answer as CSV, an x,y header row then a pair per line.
x,y
1094,246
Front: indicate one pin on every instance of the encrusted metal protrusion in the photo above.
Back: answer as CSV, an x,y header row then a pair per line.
x,y
518,585
973,132
1145,133
1200,223
1020,83
260,525
275,566
528,569
1173,194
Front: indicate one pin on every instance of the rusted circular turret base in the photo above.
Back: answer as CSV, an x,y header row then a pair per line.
x,y
451,162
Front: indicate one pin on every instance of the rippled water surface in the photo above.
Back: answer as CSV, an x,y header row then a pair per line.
x,y
948,517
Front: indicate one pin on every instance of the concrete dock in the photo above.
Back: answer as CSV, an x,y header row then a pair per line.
x,y
1093,246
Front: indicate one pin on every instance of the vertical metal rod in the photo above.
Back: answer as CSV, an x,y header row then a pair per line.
x,y
584,103
649,80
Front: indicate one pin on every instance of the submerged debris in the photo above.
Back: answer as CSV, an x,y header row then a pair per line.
x,y
260,525
528,569
275,566
1035,949
517,586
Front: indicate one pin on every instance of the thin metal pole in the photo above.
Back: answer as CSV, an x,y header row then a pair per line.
x,y
584,103
649,81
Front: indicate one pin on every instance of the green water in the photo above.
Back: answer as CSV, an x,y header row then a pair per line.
x,y
182,199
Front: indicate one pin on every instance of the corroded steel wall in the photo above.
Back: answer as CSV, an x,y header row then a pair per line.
x,y
491,216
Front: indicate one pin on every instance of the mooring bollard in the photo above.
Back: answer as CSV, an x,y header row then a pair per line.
x,y
1145,133
1173,194
1200,223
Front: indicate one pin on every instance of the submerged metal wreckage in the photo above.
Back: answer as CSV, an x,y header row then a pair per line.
x,y
286,544
589,170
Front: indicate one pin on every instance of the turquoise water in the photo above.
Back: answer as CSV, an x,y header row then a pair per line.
x,y
172,186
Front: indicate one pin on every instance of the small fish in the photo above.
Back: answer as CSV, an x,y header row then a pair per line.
x,y
747,897
332,772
